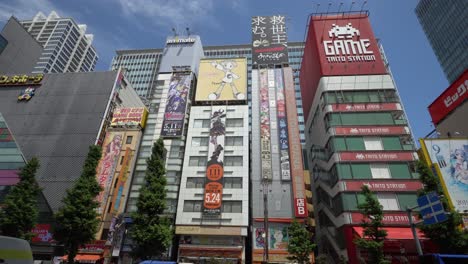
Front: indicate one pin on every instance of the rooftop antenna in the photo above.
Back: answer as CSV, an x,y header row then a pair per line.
x,y
175,32
351,7
187,29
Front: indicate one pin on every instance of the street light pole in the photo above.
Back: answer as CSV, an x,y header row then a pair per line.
x,y
413,229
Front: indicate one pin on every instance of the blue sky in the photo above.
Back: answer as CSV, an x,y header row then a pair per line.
x,y
135,24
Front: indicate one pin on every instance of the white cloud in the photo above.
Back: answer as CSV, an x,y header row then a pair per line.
x,y
26,9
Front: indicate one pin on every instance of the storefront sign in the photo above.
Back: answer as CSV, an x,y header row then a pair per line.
x,y
377,186
176,105
451,98
96,246
376,156
41,233
388,218
365,107
362,130
282,127
300,209
129,116
21,80
209,230
269,40
265,136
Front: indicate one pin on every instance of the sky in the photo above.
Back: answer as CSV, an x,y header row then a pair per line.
x,y
139,24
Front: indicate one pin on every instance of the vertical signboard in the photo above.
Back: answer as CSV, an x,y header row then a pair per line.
x,y
269,40
282,127
121,180
265,137
176,104
106,169
212,203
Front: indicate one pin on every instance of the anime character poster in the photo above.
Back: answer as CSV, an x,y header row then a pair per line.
x,y
265,136
451,156
278,237
282,127
215,166
176,105
107,165
222,80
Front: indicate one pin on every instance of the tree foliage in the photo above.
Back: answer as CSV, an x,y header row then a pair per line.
x,y
77,220
151,230
300,245
448,235
373,235
20,212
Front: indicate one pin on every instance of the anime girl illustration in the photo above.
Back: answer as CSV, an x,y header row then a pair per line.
x,y
226,66
177,94
112,150
459,165
217,126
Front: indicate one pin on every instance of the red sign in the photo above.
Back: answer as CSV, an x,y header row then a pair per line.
x,y
388,219
371,130
365,107
452,97
383,185
97,246
376,156
41,233
300,208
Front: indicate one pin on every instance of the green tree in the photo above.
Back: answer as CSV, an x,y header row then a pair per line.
x,y
77,220
151,230
300,245
448,235
373,235
20,212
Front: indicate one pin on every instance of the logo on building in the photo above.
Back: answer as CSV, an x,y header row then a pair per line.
x,y
180,40
346,45
27,94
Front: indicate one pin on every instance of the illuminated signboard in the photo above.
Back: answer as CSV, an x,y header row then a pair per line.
x,y
18,80
129,116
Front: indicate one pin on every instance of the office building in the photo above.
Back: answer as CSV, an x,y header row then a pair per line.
x,y
444,23
67,47
356,133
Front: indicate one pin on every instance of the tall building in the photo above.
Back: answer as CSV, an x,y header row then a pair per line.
x,y
357,134
67,47
444,23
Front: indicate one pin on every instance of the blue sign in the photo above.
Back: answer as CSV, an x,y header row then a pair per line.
x,y
431,209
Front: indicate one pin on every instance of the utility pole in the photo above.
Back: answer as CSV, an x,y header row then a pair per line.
x,y
265,220
413,229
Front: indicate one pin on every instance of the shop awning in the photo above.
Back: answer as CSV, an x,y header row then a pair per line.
x,y
84,258
397,233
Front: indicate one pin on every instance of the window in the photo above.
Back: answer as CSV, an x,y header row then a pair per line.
x,y
232,160
192,206
197,161
232,207
234,122
373,143
234,141
380,171
201,123
233,183
129,140
195,182
200,141
389,201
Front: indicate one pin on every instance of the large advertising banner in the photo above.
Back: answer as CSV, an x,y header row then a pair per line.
x,y
222,80
450,156
176,105
269,40
212,203
129,116
265,136
121,181
282,127
107,165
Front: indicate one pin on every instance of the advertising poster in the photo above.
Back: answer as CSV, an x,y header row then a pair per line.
x,y
107,164
212,203
265,137
451,157
176,105
41,233
222,80
129,116
282,127
121,180
269,40
277,234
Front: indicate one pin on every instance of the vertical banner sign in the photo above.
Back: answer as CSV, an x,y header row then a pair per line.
x,y
297,169
265,138
282,127
215,167
121,180
108,163
269,40
176,105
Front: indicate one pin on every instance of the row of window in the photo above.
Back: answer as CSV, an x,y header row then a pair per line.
x,y
227,206
338,119
228,182
376,96
228,141
230,122
228,161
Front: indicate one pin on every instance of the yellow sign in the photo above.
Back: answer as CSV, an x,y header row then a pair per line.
x,y
222,80
129,116
24,79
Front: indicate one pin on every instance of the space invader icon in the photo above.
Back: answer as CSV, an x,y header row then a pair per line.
x,y
347,31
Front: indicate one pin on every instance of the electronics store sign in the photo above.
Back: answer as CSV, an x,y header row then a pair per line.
x,y
346,45
180,41
20,80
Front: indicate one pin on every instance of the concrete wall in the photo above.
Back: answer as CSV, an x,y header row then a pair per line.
x,y
187,54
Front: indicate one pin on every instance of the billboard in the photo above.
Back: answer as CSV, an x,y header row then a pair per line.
x,y
132,116
176,104
265,137
269,40
222,80
282,127
212,203
450,158
41,233
107,165
121,181
451,98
